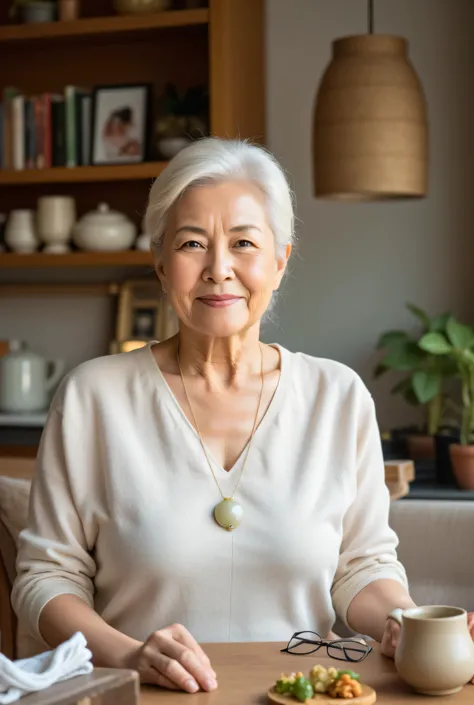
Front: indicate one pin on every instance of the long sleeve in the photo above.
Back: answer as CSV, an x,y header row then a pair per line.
x,y
368,549
55,549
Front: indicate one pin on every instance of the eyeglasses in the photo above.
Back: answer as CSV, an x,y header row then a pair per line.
x,y
305,643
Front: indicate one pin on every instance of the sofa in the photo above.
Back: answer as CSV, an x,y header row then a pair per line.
x,y
436,548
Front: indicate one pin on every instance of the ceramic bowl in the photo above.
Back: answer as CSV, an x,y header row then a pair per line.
x,y
104,230
170,146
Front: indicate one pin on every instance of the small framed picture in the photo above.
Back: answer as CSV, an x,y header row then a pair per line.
x,y
143,314
121,121
144,322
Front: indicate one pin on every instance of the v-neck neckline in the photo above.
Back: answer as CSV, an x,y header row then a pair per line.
x,y
179,414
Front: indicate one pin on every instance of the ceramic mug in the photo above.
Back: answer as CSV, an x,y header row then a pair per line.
x,y
435,654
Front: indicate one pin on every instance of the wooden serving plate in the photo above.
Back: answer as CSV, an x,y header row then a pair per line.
x,y
368,697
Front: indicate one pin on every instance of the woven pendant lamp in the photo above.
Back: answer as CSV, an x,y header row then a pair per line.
x,y
370,132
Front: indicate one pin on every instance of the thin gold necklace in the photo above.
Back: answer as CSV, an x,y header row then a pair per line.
x,y
228,513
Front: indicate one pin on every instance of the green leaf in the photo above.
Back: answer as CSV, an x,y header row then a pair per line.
x,y
438,323
445,366
404,357
401,386
435,343
410,397
461,336
379,371
426,386
391,337
420,314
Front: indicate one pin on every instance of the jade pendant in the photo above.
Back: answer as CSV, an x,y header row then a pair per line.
x,y
228,514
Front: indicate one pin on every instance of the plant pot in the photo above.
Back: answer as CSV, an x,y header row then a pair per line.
x,y
444,469
135,7
462,458
169,147
38,12
421,447
69,10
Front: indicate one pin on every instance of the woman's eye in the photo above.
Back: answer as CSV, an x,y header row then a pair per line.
x,y
191,245
244,243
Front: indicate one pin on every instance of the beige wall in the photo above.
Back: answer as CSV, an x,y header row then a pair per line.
x,y
358,264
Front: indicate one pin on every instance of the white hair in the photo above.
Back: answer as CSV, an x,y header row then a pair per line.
x,y
213,160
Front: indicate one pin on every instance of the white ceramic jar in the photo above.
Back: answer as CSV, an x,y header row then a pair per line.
x,y
104,230
20,231
26,379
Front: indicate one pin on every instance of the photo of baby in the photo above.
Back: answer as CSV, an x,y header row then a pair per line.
x,y
120,120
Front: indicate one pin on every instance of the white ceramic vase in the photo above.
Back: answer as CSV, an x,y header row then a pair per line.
x,y
143,242
20,232
55,219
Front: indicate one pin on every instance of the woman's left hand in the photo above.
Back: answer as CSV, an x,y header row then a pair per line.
x,y
392,631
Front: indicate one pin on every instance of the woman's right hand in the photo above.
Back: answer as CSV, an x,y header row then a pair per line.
x,y
172,658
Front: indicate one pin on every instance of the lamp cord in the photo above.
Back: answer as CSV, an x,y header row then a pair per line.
x,y
370,16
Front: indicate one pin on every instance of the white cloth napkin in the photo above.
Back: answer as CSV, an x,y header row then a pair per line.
x,y
18,678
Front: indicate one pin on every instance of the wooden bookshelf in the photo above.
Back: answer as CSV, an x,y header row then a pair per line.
x,y
186,47
129,172
38,260
106,27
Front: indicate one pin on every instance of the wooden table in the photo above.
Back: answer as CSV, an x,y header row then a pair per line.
x,y
247,671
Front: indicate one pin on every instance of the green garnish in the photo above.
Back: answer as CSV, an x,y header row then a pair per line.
x,y
354,676
283,686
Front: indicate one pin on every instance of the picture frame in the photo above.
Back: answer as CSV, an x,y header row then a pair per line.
x,y
143,314
121,123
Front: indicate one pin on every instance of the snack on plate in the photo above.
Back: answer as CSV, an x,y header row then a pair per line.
x,y
345,687
322,681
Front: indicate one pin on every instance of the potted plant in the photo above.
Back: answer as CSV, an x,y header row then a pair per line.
x,y
423,381
183,119
34,11
457,344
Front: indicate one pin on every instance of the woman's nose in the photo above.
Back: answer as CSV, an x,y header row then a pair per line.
x,y
219,265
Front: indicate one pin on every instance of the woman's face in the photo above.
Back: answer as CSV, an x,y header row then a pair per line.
x,y
218,265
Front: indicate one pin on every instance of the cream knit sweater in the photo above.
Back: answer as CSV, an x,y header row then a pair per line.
x,y
121,508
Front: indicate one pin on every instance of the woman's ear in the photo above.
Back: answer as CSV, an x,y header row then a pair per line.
x,y
282,261
160,273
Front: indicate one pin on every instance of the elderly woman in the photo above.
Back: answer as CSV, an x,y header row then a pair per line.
x,y
209,487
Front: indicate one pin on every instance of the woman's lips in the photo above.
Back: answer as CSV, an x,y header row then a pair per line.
x,y
219,301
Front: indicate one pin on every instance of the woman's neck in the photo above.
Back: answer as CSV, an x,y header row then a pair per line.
x,y
221,362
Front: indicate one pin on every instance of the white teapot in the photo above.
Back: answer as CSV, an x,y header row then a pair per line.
x,y
25,384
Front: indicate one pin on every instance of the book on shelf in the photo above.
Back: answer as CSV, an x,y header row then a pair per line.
x,y
46,130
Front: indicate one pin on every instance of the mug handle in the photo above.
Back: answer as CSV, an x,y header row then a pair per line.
x,y
396,615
